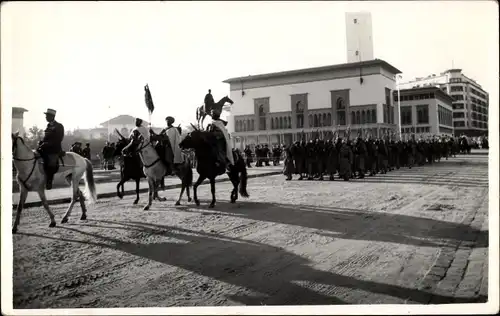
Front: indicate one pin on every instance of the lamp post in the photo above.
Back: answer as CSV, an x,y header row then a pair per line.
x,y
399,104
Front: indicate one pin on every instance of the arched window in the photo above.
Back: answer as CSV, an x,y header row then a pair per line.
x,y
273,126
325,122
341,115
262,118
289,125
353,118
315,123
363,117
310,120
374,116
299,109
252,125
281,123
244,125
358,117
329,119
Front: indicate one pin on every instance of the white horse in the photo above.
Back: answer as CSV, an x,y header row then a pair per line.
x,y
31,177
153,168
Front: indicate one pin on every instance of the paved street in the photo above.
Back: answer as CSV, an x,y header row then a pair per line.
x,y
411,236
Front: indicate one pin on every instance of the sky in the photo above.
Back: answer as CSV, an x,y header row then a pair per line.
x,y
91,60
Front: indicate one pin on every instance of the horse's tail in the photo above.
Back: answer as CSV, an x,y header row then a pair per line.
x,y
243,177
90,190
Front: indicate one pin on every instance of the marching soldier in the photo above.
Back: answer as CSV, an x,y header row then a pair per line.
x,y
50,147
86,151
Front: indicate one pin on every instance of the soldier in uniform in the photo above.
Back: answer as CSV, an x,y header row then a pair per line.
x,y
86,151
248,156
50,147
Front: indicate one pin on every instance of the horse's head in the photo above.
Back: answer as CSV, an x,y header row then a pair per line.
x,y
120,144
196,139
225,99
18,144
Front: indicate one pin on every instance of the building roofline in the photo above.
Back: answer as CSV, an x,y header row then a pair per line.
x,y
19,109
288,73
436,90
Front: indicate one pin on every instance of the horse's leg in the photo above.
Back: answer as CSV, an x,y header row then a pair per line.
x,y
235,181
156,195
151,191
180,195
22,200
45,204
137,190
74,197
187,192
212,189
195,189
81,198
120,184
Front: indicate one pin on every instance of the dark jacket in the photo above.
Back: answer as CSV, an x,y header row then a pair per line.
x,y
52,140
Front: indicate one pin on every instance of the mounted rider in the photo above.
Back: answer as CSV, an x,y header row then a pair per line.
x,y
224,153
209,101
169,137
50,148
137,134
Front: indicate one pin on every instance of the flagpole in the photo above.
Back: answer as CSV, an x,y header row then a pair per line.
x,y
109,112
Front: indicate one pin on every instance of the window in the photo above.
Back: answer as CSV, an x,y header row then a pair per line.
x,y
406,115
363,117
357,53
459,124
355,21
353,118
310,120
422,114
315,121
358,117
374,116
341,115
299,109
456,89
458,114
281,125
329,119
262,118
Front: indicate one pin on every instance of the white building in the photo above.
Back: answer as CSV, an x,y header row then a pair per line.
x,y
277,107
425,111
18,120
123,123
471,102
359,37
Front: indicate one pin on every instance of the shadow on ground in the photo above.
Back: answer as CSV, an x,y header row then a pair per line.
x,y
270,271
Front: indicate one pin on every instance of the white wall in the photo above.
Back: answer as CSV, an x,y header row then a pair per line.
x,y
359,36
370,92
17,125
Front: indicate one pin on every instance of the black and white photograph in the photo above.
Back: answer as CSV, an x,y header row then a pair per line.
x,y
249,157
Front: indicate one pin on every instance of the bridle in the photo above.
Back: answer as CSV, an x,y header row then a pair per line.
x,y
35,158
139,151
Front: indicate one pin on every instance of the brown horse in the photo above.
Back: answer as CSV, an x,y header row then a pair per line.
x,y
204,110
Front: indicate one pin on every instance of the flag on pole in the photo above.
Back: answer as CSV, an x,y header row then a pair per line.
x,y
149,100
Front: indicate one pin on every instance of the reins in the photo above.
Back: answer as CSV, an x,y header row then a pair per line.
x,y
35,158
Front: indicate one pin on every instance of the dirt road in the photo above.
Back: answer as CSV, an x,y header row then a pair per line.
x,y
404,237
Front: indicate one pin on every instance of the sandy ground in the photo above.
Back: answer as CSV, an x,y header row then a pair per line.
x,y
297,242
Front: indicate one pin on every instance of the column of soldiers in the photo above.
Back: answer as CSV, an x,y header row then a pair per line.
x,y
263,155
346,158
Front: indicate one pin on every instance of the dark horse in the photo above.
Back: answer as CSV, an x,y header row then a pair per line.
x,y
203,143
203,111
130,168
